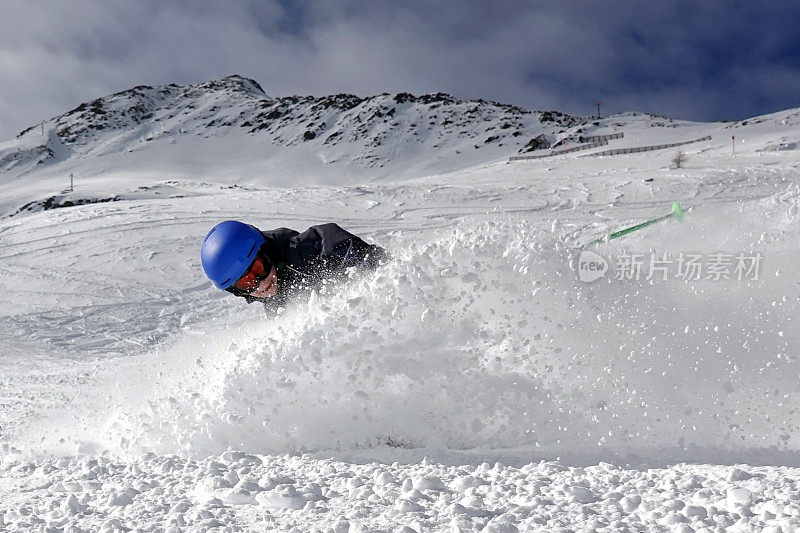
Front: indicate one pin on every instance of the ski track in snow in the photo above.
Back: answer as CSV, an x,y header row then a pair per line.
x,y
472,383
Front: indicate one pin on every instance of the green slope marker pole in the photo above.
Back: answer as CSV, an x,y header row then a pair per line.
x,y
677,213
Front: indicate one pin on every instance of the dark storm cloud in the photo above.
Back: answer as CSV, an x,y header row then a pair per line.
x,y
698,60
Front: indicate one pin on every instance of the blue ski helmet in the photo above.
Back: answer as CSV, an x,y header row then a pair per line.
x,y
228,250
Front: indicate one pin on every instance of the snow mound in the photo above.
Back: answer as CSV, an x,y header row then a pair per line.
x,y
67,198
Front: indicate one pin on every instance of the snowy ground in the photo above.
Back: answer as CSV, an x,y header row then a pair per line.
x,y
473,383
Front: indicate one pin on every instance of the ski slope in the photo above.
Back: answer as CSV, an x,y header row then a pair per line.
x,y
472,383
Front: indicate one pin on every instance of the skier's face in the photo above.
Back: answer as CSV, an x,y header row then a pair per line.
x,y
259,282
267,287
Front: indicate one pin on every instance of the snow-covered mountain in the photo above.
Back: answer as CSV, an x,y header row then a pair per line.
x,y
375,132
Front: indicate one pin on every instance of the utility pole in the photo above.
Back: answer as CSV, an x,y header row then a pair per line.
x,y
71,188
598,109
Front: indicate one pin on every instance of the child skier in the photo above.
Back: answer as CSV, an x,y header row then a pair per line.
x,y
271,266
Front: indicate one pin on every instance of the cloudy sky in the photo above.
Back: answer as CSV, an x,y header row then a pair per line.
x,y
702,60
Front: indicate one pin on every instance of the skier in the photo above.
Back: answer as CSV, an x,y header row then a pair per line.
x,y
271,266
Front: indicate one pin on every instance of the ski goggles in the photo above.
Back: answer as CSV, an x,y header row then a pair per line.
x,y
259,270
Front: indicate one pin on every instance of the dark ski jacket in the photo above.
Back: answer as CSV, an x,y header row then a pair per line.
x,y
304,260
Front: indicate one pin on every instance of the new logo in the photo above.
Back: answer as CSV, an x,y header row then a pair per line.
x,y
591,266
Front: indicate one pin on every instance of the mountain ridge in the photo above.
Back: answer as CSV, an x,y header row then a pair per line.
x,y
124,120
230,130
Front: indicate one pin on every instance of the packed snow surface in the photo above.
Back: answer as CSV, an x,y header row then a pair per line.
x,y
473,382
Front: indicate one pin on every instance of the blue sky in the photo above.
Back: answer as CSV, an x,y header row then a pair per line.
x,y
704,60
